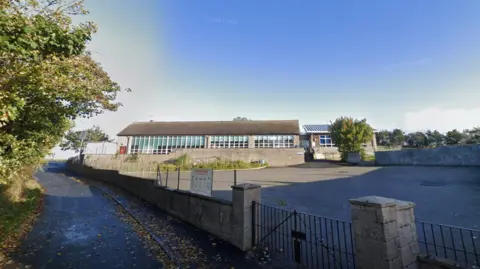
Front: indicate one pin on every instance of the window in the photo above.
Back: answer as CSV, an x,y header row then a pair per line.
x,y
274,141
164,144
231,141
326,141
134,145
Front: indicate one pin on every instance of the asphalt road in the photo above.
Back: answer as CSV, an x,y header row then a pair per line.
x,y
444,195
80,228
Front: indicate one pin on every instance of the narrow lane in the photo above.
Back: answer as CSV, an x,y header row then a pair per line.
x,y
80,228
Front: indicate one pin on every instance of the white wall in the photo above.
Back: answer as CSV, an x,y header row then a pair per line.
x,y
100,148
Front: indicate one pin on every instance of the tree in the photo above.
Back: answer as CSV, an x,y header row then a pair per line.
x,y
417,139
241,119
435,138
349,134
454,137
472,136
47,79
73,139
384,138
398,137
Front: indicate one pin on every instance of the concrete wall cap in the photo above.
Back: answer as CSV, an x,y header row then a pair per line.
x,y
373,201
404,205
246,186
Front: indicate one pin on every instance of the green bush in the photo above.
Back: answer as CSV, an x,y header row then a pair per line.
x,y
132,158
185,164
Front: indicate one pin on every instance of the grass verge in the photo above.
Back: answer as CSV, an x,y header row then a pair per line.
x,y
185,163
20,205
369,158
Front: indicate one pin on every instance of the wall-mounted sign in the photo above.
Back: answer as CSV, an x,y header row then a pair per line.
x,y
201,182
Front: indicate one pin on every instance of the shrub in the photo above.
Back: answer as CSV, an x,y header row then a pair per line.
x,y
184,163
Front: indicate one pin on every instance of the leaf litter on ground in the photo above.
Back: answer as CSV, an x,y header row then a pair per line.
x,y
186,250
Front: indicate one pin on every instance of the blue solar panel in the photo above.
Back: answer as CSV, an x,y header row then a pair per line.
x,y
314,128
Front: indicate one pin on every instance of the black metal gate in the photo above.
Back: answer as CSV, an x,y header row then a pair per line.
x,y
308,240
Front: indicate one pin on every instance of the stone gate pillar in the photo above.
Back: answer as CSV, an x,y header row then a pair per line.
x,y
242,197
384,233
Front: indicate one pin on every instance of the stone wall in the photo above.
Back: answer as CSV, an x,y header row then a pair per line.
x,y
230,221
468,155
274,157
384,229
425,262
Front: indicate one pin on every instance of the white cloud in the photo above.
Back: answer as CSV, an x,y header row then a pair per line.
x,y
442,119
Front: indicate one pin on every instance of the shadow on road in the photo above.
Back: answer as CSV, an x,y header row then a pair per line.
x,y
179,236
78,228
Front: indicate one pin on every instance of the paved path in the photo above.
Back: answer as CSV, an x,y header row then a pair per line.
x,y
80,228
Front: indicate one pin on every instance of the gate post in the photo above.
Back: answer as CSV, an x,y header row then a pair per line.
x,y
243,196
384,233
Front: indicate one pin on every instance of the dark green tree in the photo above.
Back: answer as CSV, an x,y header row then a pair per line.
x,y
384,138
417,139
435,138
454,137
241,119
73,139
398,137
349,134
472,136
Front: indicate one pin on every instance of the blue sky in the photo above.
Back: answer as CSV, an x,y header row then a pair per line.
x,y
399,63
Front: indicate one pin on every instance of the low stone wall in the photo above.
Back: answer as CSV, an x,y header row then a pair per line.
x,y
354,158
384,231
274,157
230,221
435,263
468,155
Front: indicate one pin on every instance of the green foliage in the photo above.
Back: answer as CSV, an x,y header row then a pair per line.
x,y
430,138
132,158
73,141
417,139
18,204
368,157
185,164
182,160
435,138
241,119
454,137
390,138
472,136
398,137
384,138
47,79
349,134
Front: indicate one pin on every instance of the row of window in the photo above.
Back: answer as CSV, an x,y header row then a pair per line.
x,y
165,144
230,141
274,141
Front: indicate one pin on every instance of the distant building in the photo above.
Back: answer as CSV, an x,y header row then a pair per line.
x,y
275,141
164,137
321,142
100,148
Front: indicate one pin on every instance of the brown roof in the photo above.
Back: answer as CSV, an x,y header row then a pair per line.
x,y
272,127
